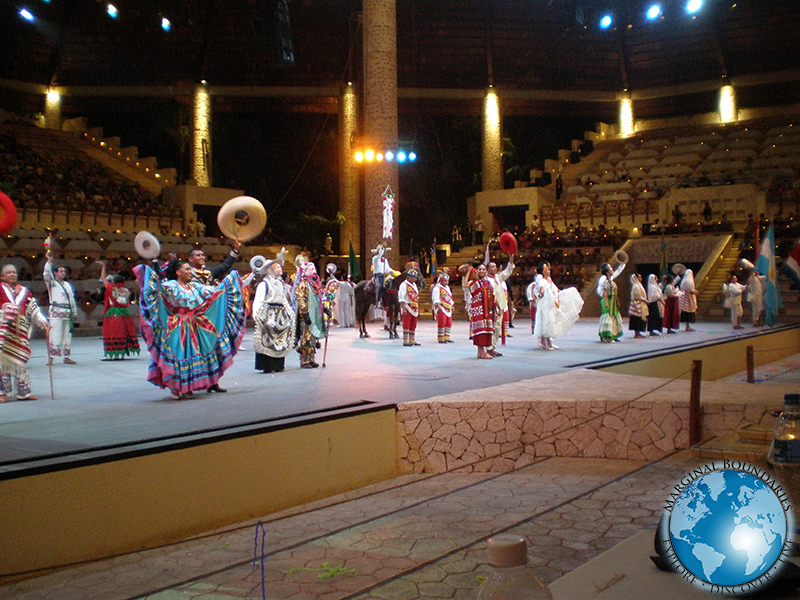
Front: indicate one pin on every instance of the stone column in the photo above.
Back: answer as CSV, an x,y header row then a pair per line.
x,y
201,137
52,110
380,122
627,120
492,157
728,106
349,196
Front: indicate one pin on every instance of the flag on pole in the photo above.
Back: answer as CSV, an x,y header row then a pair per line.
x,y
663,269
433,260
766,266
411,251
791,266
352,263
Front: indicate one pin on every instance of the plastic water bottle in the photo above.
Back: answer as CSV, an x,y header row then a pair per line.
x,y
511,578
786,436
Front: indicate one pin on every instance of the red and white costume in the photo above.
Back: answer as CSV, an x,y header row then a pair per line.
x,y
442,301
408,296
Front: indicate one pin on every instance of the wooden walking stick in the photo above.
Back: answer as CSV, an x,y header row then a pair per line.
x,y
327,335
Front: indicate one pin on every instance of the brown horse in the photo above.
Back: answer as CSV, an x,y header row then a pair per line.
x,y
365,299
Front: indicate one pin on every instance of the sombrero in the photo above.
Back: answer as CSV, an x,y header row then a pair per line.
x,y
147,245
678,269
331,268
508,243
242,218
8,214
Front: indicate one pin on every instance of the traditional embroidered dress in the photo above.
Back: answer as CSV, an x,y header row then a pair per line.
x,y
192,334
655,304
275,324
63,313
610,319
442,300
501,301
672,310
408,296
119,332
310,320
554,321
20,313
637,308
688,300
481,312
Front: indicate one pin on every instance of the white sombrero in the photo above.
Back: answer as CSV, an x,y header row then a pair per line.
x,y
242,218
147,245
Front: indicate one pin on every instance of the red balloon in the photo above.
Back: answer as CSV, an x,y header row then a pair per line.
x,y
508,243
8,214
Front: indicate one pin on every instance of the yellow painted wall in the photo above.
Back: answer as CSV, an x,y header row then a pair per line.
x,y
719,360
90,512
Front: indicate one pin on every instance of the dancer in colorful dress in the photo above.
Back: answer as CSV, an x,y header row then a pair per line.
x,y
655,306
63,310
442,302
408,297
481,309
274,317
19,314
672,310
638,310
192,331
688,300
311,325
119,331
610,319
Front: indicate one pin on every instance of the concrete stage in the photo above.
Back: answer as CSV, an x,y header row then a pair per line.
x,y
103,408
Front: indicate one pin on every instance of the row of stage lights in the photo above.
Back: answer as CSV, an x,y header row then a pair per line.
x,y
111,10
400,155
654,12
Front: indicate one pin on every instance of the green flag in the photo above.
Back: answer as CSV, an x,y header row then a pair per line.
x,y
352,264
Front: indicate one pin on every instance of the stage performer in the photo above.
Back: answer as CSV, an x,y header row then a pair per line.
x,y
672,311
531,296
637,308
755,296
481,309
63,311
497,279
119,331
310,317
442,301
610,319
688,301
192,331
655,306
556,310
204,276
347,304
20,314
380,267
274,317
733,291
408,297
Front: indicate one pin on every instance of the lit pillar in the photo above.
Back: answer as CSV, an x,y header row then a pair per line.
x,y
728,108
626,118
380,121
348,173
52,110
492,156
201,138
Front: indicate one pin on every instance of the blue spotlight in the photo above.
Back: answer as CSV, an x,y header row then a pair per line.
x,y
26,14
412,156
605,22
165,24
401,156
693,6
112,11
389,155
654,12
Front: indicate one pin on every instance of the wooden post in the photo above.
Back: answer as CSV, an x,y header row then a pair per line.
x,y
750,365
695,424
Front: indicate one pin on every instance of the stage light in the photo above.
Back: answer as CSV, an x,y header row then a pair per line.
x,y
369,154
605,21
654,12
401,156
389,155
412,156
112,11
26,14
165,24
693,6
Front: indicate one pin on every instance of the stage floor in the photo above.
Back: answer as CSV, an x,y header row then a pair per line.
x,y
107,407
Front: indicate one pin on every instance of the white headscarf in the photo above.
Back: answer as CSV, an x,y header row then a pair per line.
x,y
654,293
687,281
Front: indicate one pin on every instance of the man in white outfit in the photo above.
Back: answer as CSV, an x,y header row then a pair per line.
x,y
500,298
63,311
